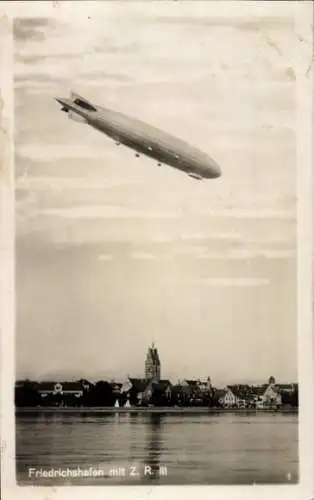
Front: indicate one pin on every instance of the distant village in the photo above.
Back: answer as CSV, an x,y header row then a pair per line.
x,y
154,391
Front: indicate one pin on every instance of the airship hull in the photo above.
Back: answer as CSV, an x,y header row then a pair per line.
x,y
145,139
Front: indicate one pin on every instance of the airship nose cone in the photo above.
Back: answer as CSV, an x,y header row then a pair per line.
x,y
217,171
214,168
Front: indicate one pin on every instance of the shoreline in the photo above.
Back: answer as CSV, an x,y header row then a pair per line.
x,y
173,410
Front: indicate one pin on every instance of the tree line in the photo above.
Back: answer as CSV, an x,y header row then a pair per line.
x,y
102,394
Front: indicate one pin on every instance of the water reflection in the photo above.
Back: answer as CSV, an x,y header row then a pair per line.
x,y
152,465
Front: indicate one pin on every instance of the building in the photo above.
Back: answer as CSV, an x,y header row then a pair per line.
x,y
143,391
287,388
228,399
140,390
269,395
152,364
135,389
116,389
198,386
158,392
244,394
192,391
62,389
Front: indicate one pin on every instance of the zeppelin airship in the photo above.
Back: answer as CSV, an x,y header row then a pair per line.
x,y
141,137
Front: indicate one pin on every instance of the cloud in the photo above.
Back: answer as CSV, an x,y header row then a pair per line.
x,y
146,212
143,256
244,254
190,250
253,23
38,152
105,257
256,152
215,236
201,253
232,282
30,29
266,213
110,211
29,182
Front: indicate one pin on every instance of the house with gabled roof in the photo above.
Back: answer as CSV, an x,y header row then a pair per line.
x,y
224,397
134,389
229,399
142,390
159,390
267,395
271,396
140,384
243,393
163,385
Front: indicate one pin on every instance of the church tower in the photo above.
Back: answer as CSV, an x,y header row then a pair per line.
x,y
152,364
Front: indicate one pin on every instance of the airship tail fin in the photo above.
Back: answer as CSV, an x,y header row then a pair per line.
x,y
76,117
81,101
74,95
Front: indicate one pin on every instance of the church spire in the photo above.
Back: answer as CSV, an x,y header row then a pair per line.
x,y
152,363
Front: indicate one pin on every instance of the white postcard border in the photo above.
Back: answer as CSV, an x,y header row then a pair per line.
x,y
303,12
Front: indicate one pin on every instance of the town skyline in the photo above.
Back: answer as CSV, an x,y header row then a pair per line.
x,y
143,375
59,378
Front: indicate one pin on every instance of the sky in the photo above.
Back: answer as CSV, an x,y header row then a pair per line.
x,y
113,252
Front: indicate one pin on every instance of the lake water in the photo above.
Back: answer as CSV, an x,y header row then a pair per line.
x,y
227,448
